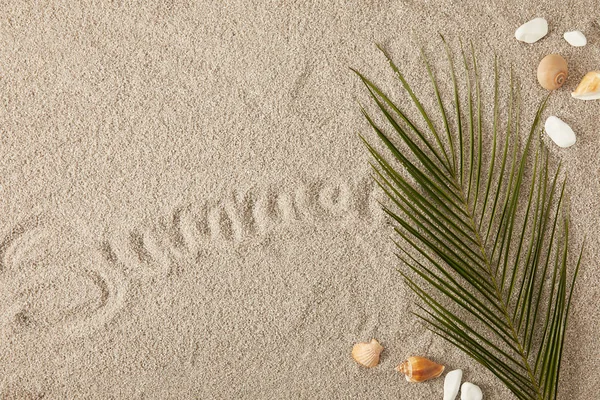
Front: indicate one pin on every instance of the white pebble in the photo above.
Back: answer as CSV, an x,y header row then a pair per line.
x,y
575,38
560,132
452,384
532,31
468,391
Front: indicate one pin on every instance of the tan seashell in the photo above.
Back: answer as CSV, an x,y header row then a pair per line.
x,y
420,369
367,354
552,72
589,87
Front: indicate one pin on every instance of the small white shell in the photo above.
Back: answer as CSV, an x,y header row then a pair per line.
x,y
589,87
532,31
575,38
367,354
468,391
452,384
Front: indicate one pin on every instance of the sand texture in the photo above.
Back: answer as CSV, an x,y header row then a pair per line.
x,y
187,210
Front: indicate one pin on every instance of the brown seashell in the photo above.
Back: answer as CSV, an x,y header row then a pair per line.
x,y
367,354
589,87
420,369
552,72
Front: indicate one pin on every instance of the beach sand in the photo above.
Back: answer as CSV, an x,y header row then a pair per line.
x,y
187,210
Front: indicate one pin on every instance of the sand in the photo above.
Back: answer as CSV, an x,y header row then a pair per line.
x,y
187,211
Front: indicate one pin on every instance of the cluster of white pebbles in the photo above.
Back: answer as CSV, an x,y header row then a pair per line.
x,y
589,88
468,390
537,28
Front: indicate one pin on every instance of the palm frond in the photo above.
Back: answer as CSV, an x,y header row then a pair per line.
x,y
483,225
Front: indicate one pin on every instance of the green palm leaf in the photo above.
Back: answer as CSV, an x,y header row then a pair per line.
x,y
484,239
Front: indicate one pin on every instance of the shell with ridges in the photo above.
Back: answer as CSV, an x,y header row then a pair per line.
x,y
552,72
420,369
589,88
367,354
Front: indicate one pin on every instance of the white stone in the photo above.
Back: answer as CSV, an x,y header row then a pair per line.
x,y
468,391
532,31
575,38
560,132
452,384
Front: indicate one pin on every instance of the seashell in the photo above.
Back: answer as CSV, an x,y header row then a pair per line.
x,y
575,38
532,31
452,384
552,72
419,369
589,87
469,391
367,354
560,132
